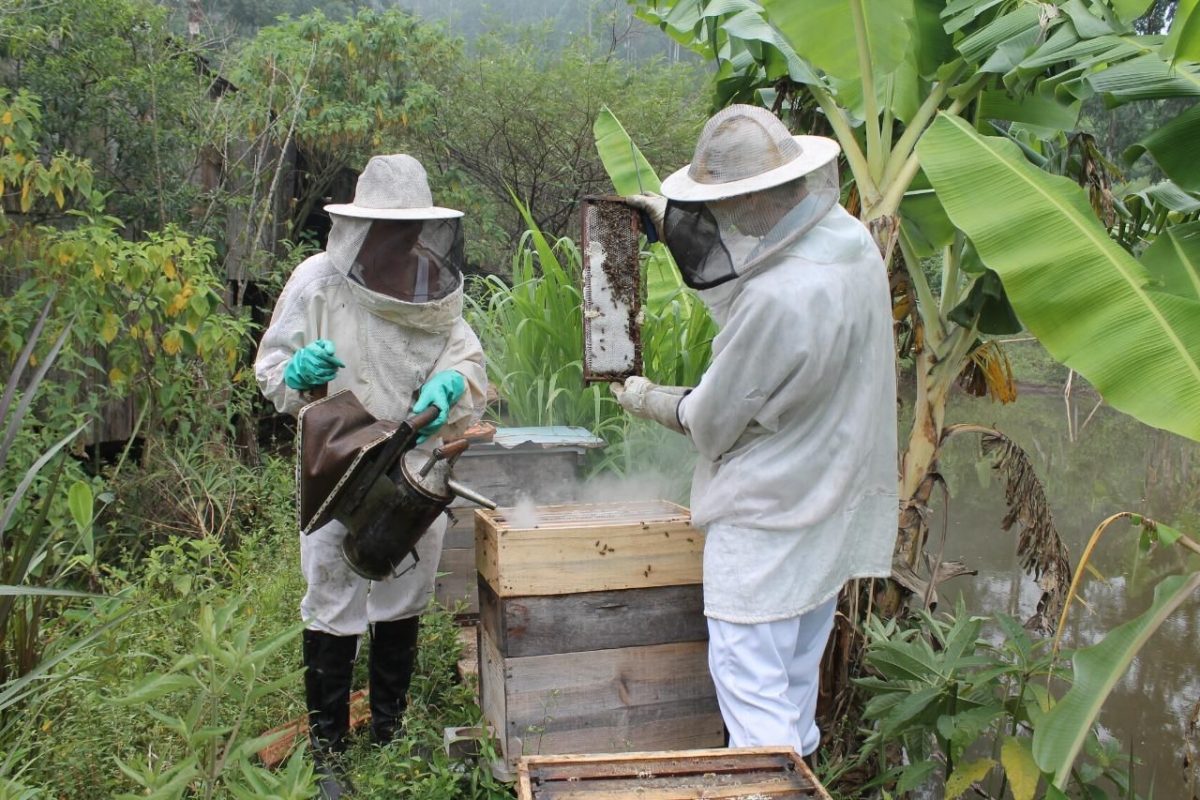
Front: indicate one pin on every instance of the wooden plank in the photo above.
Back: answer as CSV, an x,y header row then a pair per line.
x,y
540,625
589,548
728,762
611,700
460,532
683,724
486,562
549,475
295,732
782,787
663,775
456,581
633,759
492,691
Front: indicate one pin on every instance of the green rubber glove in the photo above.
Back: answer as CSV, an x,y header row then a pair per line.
x,y
313,365
442,390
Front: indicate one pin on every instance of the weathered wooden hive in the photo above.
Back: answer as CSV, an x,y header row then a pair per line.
x,y
749,773
592,637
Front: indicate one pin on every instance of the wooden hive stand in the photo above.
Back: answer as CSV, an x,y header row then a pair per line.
x,y
747,773
592,636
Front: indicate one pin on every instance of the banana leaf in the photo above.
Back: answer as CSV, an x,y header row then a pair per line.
x,y
1062,732
1173,148
1085,298
628,169
822,32
631,173
1183,42
1174,260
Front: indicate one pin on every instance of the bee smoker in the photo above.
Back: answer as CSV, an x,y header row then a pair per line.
x,y
388,493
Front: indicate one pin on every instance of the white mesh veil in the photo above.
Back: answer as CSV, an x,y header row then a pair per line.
x,y
720,240
434,259
751,190
392,238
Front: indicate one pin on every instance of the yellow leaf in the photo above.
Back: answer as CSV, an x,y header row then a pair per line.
x,y
45,724
7,119
965,775
64,258
111,326
1022,770
177,304
169,268
351,50
172,343
116,376
58,196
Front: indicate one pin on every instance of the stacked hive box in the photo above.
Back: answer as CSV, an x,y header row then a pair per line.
x,y
592,630
541,464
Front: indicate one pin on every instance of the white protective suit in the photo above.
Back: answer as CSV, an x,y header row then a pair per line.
x,y
795,423
390,349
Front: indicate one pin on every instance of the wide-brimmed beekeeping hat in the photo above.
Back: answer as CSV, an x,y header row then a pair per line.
x,y
392,187
745,149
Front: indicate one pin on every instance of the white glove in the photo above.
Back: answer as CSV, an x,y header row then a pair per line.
x,y
655,206
648,400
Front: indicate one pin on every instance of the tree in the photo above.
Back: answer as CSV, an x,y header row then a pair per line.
x,y
339,92
117,89
518,118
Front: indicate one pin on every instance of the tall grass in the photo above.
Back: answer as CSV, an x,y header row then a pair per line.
x,y
532,333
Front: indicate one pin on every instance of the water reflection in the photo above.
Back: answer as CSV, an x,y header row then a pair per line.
x,y
1114,464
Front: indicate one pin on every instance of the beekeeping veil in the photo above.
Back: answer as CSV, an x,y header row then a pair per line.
x,y
392,239
751,191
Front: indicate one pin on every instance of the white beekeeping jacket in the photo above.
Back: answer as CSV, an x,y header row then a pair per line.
x,y
390,347
795,423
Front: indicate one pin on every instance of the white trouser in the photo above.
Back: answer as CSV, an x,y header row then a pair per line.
x,y
767,677
341,602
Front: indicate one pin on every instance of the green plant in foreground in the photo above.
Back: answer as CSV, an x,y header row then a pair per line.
x,y
225,664
963,709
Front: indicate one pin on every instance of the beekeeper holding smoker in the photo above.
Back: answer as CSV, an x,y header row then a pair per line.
x,y
379,313
795,418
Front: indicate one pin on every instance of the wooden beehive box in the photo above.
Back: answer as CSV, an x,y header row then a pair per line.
x,y
592,631
541,464
749,773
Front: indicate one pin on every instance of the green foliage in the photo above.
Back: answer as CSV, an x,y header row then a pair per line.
x,y
340,91
948,695
116,90
489,138
173,689
533,334
21,168
219,681
1062,258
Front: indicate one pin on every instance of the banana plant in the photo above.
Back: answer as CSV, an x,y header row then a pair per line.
x,y
881,75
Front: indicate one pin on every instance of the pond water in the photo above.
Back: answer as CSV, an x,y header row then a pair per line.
x,y
1110,464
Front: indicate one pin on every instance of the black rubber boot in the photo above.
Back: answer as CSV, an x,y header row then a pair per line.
x,y
393,656
329,668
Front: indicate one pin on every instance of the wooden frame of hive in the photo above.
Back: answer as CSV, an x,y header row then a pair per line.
x,y
592,635
777,773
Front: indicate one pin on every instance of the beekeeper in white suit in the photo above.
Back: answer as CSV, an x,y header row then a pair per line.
x,y
380,313
795,418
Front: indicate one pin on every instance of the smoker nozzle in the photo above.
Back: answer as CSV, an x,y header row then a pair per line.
x,y
467,493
